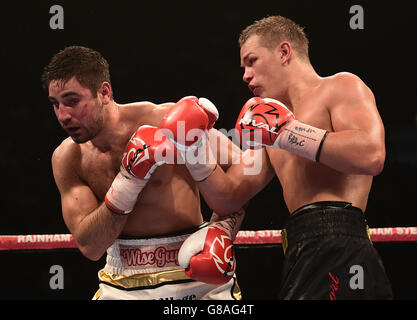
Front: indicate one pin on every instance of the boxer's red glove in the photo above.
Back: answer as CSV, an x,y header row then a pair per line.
x,y
147,149
188,120
187,124
208,254
268,122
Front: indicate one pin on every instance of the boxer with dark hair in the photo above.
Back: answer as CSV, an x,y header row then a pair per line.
x,y
123,193
324,139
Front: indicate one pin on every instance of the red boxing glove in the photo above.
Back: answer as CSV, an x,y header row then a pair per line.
x,y
208,256
187,124
188,120
261,121
147,149
268,122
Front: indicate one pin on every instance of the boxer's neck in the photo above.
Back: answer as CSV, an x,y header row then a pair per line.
x,y
301,79
113,131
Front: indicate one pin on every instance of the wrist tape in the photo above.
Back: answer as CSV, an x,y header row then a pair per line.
x,y
302,139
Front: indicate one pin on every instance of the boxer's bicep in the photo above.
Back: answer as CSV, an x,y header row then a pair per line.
x,y
77,203
77,199
356,109
356,144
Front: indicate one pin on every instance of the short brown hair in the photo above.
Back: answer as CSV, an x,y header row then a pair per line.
x,y
275,29
89,67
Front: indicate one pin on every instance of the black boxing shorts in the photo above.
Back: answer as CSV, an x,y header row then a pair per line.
x,y
329,255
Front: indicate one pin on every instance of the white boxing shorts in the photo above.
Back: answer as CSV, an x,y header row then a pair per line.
x,y
148,269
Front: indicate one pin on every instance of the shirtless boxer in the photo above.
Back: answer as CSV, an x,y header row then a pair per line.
x,y
324,140
115,195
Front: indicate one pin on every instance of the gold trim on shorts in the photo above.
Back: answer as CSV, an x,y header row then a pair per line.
x,y
368,233
284,239
151,279
97,294
142,280
236,293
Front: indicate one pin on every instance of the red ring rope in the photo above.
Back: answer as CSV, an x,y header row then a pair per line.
x,y
58,241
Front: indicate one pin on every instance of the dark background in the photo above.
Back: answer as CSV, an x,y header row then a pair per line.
x,y
160,51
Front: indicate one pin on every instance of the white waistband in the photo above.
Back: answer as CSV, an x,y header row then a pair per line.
x,y
132,256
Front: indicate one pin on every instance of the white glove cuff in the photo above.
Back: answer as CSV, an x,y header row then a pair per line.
x,y
192,246
200,162
302,139
209,106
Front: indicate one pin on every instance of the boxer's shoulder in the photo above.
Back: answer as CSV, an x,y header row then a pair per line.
x,y
65,160
68,150
343,76
145,112
344,88
343,84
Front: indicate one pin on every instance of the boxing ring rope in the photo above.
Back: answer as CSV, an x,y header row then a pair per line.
x,y
244,237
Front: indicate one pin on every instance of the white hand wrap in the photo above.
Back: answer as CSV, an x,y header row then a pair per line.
x,y
123,192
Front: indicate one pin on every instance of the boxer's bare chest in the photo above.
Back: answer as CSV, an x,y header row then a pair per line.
x,y
303,179
98,169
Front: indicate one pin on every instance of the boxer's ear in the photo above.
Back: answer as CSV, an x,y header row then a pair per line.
x,y
105,92
284,52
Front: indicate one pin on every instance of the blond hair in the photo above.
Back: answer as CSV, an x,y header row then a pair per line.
x,y
275,29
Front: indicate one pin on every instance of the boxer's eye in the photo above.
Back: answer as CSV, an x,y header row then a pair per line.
x,y
54,103
71,102
252,61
